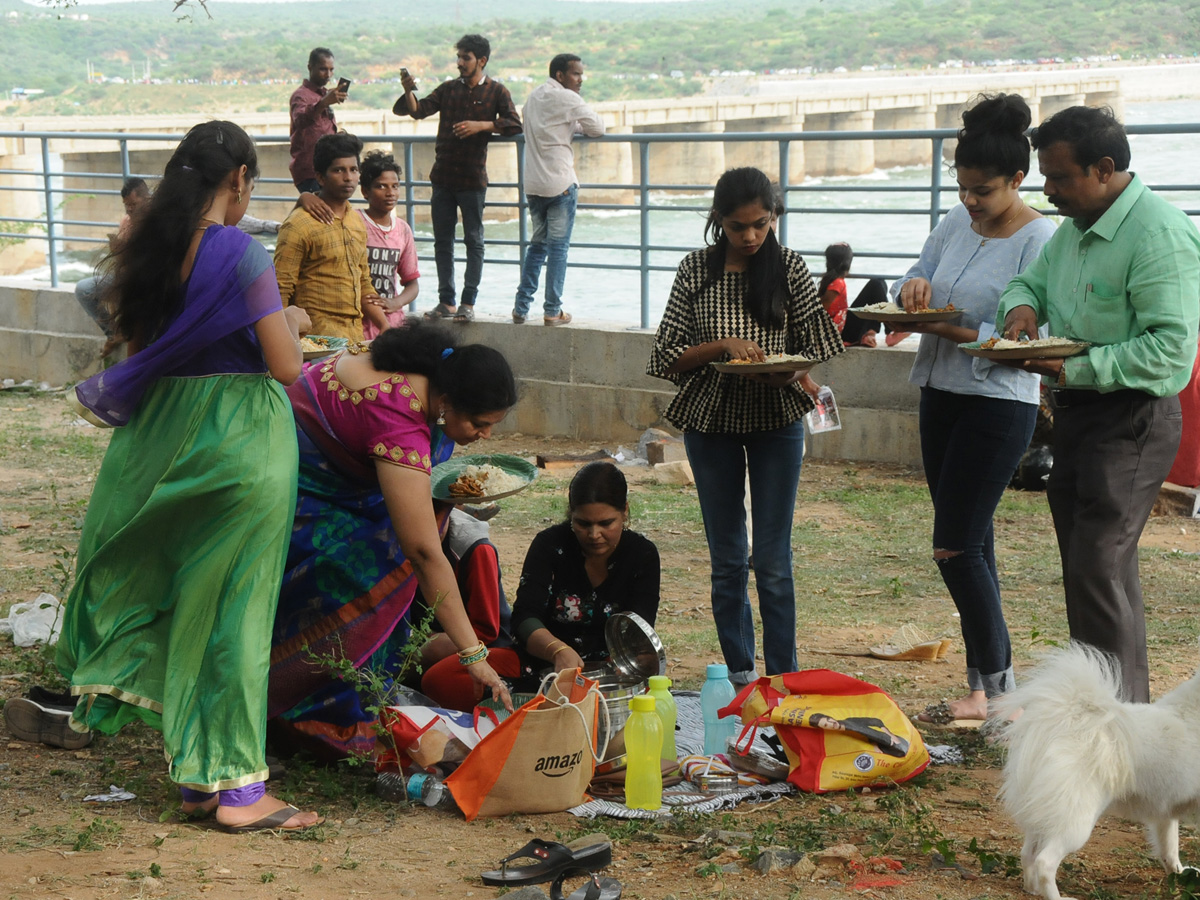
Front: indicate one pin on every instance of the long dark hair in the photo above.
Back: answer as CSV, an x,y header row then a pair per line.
x,y
476,379
992,138
838,258
147,290
766,275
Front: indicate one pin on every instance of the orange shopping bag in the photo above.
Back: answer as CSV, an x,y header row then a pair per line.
x,y
540,759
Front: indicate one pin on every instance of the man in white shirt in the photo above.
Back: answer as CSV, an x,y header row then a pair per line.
x,y
553,114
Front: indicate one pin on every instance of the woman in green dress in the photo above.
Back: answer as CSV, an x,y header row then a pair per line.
x,y
182,550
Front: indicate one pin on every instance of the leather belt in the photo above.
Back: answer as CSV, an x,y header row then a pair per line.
x,y
1064,398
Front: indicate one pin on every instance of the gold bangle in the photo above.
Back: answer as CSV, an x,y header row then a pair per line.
x,y
477,656
553,653
471,651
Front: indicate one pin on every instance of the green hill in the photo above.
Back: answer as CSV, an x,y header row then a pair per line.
x,y
631,49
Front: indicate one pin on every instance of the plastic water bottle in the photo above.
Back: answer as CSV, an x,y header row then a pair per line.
x,y
716,694
643,749
664,705
430,790
389,786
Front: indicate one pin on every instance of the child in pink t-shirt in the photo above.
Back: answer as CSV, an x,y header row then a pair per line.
x,y
391,253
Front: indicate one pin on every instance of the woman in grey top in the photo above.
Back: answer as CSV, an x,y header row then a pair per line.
x,y
976,417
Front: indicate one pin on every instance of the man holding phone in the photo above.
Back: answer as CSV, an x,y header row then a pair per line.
x,y
311,108
470,109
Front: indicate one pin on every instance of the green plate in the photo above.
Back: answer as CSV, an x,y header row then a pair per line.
x,y
447,473
335,344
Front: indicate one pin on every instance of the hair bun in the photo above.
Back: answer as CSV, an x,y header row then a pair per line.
x,y
998,112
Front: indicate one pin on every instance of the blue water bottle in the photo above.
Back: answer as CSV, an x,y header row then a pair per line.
x,y
716,694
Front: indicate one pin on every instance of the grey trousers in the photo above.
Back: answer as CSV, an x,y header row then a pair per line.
x,y
1111,455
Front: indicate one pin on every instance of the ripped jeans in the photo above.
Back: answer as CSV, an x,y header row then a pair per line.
x,y
971,446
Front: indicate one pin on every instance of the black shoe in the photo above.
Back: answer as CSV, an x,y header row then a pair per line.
x,y
30,721
62,700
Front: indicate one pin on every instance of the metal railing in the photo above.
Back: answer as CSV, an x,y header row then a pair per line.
x,y
56,228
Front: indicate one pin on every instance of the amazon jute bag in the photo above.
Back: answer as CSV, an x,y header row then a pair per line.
x,y
538,760
837,732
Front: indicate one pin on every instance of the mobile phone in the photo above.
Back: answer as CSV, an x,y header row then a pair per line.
x,y
404,73
343,84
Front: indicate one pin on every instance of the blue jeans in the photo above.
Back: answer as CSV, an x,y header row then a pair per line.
x,y
553,219
89,291
971,446
444,206
720,463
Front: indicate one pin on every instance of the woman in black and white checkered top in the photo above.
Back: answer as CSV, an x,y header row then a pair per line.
x,y
744,297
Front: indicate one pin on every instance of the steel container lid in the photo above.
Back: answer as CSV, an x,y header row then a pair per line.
x,y
634,646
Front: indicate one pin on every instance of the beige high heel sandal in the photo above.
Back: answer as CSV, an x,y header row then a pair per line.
x,y
911,643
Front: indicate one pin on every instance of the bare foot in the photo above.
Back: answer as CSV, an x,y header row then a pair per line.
x,y
868,339
245,815
972,706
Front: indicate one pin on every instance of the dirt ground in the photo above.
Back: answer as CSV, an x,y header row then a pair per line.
x,y
53,845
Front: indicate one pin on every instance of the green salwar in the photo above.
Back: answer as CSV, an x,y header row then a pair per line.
x,y
178,574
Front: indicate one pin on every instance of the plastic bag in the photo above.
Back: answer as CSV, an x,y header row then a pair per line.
x,y
825,416
35,622
428,736
837,732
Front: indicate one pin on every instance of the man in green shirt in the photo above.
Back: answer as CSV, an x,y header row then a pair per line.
x,y
1124,276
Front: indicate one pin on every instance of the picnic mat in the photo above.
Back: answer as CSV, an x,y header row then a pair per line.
x,y
686,797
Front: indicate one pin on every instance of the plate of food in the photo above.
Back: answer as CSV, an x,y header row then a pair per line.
x,y
774,362
890,312
481,477
1042,348
314,346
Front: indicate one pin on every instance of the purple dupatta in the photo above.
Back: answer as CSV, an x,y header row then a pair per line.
x,y
232,286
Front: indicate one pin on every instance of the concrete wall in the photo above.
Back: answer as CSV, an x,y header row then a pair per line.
x,y
587,383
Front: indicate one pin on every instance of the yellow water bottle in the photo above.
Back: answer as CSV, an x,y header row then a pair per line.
x,y
643,749
664,705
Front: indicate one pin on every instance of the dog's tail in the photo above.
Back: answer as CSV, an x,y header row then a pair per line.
x,y
1067,723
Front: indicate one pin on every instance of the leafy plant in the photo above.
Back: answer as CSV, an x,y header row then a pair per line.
x,y
97,835
1185,884
378,688
990,860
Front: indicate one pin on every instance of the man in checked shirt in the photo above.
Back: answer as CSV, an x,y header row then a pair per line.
x,y
470,108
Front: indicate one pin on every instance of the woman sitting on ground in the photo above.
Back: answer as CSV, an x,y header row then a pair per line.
x,y
371,425
576,575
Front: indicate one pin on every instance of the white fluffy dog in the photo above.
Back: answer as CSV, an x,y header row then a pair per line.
x,y
1076,752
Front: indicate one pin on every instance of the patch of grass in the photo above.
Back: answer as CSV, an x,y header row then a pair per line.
x,y
98,835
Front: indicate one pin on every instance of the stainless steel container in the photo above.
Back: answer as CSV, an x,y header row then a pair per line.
x,y
617,690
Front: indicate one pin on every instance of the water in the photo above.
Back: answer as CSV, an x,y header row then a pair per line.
x,y
614,296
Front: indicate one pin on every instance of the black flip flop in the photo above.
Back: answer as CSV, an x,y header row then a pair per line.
x,y
597,888
552,861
